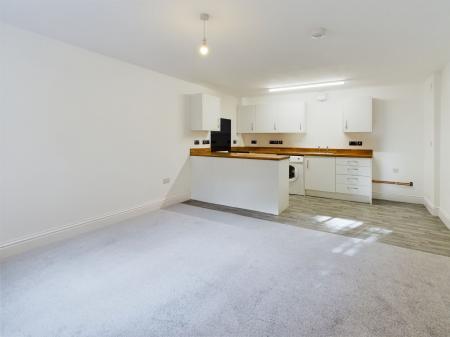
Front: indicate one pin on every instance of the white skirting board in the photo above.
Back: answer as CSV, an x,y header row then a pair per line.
x,y
73,229
339,196
445,217
430,207
412,199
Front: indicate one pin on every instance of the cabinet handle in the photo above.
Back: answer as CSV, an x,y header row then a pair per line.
x,y
274,126
218,123
307,163
300,126
252,126
346,125
352,188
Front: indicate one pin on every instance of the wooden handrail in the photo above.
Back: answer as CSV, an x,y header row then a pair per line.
x,y
393,182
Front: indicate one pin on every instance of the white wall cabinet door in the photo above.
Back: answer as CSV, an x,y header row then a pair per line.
x,y
246,119
291,117
320,174
265,121
357,114
205,112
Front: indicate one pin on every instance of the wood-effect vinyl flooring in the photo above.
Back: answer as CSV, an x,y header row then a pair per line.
x,y
394,223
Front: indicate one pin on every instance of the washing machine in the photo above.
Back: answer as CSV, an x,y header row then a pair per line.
x,y
296,176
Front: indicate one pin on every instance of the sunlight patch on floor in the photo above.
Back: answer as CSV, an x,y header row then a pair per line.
x,y
353,245
337,224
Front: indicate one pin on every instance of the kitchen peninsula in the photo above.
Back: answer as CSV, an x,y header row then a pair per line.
x,y
254,181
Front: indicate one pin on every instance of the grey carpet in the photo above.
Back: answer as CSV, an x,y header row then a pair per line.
x,y
188,271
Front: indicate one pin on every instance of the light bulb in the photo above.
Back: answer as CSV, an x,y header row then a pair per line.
x,y
204,50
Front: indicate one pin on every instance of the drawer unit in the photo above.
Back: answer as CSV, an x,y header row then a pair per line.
x,y
343,178
354,161
346,179
365,171
355,190
354,178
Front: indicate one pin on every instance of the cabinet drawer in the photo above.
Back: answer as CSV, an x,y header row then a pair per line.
x,y
364,171
353,180
354,161
351,189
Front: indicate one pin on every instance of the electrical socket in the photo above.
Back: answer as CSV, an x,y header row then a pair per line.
x,y
395,170
166,181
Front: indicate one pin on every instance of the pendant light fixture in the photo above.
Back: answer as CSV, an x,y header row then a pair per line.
x,y
204,50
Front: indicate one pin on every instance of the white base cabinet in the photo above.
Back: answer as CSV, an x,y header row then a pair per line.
x,y
354,177
320,173
339,178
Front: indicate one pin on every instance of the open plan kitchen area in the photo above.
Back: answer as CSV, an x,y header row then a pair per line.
x,y
323,187
211,168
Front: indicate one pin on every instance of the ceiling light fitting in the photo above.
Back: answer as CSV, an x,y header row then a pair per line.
x,y
307,86
204,49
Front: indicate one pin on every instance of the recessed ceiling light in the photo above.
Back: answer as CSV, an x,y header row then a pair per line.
x,y
307,86
319,33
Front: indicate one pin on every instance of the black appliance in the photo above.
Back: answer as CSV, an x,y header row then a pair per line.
x,y
221,140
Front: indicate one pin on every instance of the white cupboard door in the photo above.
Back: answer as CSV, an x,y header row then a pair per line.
x,y
357,114
320,174
204,112
265,121
211,112
246,119
290,117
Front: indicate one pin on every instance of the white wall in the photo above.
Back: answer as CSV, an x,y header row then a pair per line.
x,y
84,135
444,162
397,139
431,145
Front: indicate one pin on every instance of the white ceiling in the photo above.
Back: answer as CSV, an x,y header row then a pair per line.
x,y
254,44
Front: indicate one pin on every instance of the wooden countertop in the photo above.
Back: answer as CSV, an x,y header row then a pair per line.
x,y
280,153
202,152
299,151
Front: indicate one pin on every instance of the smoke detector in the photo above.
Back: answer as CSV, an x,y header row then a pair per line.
x,y
319,33
323,97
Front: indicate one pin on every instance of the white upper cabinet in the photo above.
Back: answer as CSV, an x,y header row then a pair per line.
x,y
286,117
265,120
291,117
205,112
357,114
246,119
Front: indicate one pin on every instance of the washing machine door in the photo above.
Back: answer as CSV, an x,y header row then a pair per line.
x,y
293,173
